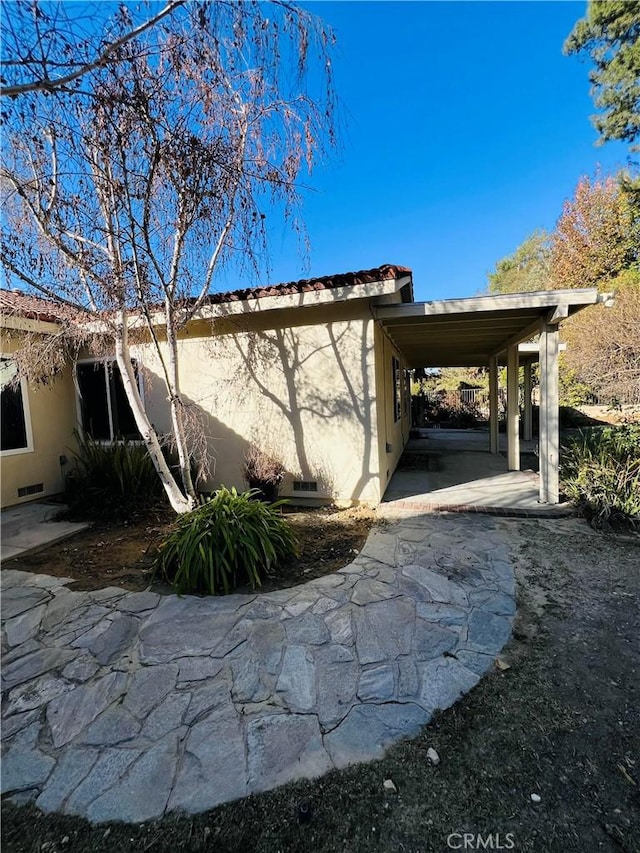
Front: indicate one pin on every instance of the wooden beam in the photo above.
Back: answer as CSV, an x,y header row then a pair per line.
x,y
559,313
505,302
525,333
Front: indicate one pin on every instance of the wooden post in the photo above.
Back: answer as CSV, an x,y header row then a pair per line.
x,y
494,433
513,409
549,447
527,419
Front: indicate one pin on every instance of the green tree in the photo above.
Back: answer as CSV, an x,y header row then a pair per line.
x,y
526,269
610,34
596,243
597,236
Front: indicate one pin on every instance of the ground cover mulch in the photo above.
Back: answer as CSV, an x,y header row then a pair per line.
x,y
122,553
559,720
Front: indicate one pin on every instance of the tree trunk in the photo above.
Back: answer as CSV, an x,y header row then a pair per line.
x,y
177,414
178,501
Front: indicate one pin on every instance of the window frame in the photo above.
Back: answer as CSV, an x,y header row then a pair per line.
x,y
26,413
105,362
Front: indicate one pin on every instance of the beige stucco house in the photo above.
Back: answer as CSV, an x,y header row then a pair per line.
x,y
314,372
301,370
38,421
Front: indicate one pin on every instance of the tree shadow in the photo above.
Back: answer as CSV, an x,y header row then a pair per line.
x,y
319,396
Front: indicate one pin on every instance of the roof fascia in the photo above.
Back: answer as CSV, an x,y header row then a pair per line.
x,y
543,299
28,324
559,313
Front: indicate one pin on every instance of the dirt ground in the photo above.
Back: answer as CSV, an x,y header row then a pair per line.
x,y
122,554
562,723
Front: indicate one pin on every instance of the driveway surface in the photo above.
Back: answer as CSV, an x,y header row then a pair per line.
x,y
125,705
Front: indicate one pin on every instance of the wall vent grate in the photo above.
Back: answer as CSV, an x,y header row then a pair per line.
x,y
305,486
23,491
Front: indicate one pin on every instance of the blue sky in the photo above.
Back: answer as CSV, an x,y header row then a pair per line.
x,y
466,128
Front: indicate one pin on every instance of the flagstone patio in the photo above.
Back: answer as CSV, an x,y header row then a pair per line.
x,y
125,705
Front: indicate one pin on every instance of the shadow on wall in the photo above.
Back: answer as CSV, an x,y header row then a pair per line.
x,y
301,394
321,418
223,447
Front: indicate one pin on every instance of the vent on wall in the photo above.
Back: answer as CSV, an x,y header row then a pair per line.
x,y
305,486
23,491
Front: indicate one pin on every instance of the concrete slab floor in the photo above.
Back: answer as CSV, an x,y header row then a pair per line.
x,y
31,526
460,472
462,439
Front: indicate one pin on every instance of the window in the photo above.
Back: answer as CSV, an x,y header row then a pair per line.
x,y
407,392
16,424
105,413
397,388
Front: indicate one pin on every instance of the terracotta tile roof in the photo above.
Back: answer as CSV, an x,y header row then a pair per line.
x,y
386,272
32,307
37,308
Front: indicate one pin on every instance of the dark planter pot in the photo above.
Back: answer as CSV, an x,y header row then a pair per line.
x,y
269,491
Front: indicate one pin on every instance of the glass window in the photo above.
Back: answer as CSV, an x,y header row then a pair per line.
x,y
397,388
15,418
407,391
105,412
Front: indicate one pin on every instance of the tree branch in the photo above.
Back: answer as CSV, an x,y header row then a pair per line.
x,y
46,85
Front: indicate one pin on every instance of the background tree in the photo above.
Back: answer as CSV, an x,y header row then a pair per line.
x,y
603,346
126,195
610,34
596,243
527,269
597,236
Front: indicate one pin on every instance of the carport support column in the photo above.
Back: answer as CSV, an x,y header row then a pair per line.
x,y
549,415
513,409
494,434
527,420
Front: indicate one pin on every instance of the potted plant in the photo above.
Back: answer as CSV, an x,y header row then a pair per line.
x,y
263,472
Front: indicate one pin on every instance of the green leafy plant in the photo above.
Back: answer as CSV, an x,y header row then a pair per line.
x,y
230,539
600,470
111,480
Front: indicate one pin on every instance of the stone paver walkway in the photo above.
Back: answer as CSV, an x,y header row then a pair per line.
x,y
31,526
125,705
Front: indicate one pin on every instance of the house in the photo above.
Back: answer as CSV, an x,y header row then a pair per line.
x,y
315,372
38,421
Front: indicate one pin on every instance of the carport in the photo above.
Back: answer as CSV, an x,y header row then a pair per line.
x,y
490,331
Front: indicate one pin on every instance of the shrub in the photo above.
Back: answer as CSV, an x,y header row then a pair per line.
x,y
600,470
232,538
263,472
111,480
465,416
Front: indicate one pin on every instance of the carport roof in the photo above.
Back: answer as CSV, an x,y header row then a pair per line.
x,y
466,332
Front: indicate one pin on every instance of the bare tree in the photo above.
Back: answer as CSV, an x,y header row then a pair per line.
x,y
50,46
124,198
603,344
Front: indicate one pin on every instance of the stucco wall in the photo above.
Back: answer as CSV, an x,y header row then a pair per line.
x,y
392,434
299,383
52,411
